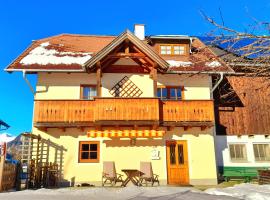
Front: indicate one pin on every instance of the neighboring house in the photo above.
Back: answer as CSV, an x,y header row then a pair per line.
x,y
126,98
242,105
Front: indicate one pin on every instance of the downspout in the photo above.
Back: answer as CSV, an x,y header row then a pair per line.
x,y
219,81
28,83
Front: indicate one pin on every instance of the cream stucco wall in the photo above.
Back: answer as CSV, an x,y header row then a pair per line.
x,y
223,154
202,168
67,86
195,86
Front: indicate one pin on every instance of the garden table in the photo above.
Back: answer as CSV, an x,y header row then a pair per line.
x,y
132,175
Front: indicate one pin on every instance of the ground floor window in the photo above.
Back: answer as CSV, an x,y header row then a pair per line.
x,y
238,152
261,152
89,152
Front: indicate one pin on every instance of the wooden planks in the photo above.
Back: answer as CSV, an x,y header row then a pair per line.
x,y
7,175
127,109
188,111
65,111
122,109
249,115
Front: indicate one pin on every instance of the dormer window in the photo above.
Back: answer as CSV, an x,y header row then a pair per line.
x,y
172,49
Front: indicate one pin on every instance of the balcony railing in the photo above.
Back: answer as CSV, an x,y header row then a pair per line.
x,y
188,111
128,110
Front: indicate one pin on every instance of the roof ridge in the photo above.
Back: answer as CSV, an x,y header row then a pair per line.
x,y
74,35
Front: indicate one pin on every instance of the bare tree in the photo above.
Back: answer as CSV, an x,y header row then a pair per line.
x,y
245,52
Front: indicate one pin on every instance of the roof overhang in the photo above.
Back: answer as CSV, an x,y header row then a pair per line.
x,y
127,35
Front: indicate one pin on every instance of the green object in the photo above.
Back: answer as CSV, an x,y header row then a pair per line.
x,y
246,173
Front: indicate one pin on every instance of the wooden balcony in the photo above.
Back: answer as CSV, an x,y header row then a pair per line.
x,y
108,110
121,111
188,111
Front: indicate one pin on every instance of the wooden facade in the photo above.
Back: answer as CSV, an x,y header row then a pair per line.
x,y
245,108
121,111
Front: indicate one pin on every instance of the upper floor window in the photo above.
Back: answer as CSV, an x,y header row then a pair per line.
x,y
261,152
88,91
172,49
170,92
238,152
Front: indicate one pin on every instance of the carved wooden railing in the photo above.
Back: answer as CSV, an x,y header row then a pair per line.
x,y
123,109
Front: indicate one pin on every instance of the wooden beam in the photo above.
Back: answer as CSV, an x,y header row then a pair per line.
x,y
203,128
170,128
126,46
186,128
154,77
154,127
136,127
127,55
63,129
98,75
81,128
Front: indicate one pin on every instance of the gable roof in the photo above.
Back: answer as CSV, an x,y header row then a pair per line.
x,y
61,52
163,65
75,53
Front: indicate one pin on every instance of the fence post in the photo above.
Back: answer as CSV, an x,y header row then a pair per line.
x,y
2,162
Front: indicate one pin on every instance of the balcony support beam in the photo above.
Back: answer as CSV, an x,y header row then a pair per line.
x,y
98,79
153,75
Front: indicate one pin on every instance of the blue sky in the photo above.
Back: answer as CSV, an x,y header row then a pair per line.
x,y
23,21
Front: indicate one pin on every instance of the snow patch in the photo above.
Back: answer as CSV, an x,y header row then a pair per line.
x,y
5,137
243,191
42,56
213,64
176,63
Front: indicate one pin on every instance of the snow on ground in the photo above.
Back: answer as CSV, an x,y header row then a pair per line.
x,y
98,193
244,191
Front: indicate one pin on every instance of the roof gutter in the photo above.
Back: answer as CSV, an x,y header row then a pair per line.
x,y
219,81
28,82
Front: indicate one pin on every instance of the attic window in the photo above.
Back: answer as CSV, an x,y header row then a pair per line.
x,y
172,49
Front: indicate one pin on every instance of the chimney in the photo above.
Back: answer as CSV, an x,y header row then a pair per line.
x,y
139,31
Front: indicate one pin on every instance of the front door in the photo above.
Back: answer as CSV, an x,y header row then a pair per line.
x,y
177,162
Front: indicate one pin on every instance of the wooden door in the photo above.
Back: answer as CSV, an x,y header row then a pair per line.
x,y
177,162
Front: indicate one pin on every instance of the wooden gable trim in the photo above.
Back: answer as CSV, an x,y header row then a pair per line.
x,y
127,35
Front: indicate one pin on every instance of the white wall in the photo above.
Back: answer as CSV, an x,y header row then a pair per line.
x,y
223,154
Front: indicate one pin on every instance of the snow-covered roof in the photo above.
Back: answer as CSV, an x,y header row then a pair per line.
x,y
42,55
69,52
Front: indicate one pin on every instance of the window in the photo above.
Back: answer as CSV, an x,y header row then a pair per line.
x,y
172,50
88,91
238,152
165,50
89,152
261,152
170,92
179,50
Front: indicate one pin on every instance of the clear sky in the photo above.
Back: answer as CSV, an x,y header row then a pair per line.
x,y
24,21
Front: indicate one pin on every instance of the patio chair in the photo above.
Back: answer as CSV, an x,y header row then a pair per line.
x,y
147,174
109,175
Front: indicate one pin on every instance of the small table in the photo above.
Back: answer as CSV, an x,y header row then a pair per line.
x,y
132,175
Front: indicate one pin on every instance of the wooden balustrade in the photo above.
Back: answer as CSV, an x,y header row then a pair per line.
x,y
63,111
188,111
122,109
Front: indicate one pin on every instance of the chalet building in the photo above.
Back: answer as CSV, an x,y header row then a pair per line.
x,y
242,105
127,98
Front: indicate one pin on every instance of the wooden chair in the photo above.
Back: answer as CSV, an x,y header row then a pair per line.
x,y
109,175
147,174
